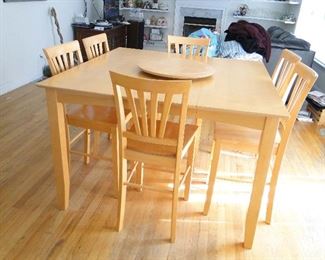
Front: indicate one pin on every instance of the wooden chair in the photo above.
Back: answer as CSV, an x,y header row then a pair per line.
x,y
285,64
198,48
63,57
149,138
237,138
188,46
100,119
95,45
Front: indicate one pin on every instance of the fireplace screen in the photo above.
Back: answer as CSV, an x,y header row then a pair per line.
x,y
192,24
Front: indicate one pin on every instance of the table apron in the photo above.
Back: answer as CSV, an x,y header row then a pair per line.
x,y
229,117
67,97
241,119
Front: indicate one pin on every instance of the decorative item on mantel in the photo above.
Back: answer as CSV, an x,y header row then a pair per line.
x,y
289,18
242,10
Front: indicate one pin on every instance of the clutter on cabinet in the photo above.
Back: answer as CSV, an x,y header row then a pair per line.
x,y
80,19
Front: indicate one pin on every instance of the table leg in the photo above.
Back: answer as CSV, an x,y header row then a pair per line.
x,y
198,122
56,118
265,153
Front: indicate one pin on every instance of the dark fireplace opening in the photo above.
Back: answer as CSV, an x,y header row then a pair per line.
x,y
192,24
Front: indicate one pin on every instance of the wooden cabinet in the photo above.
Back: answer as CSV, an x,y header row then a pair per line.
x,y
135,34
117,36
152,16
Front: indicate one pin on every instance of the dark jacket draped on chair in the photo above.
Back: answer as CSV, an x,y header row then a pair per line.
x,y
252,36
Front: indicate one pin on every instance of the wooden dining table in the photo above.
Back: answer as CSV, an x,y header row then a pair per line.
x,y
239,92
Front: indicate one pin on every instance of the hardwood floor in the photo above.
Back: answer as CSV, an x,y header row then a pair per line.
x,y
31,227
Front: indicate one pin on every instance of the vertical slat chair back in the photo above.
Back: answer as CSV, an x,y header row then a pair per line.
x,y
188,46
95,45
286,62
63,57
150,103
301,80
300,83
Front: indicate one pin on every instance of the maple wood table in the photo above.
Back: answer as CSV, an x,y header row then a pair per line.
x,y
240,92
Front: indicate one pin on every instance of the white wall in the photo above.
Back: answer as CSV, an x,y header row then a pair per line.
x,y
26,28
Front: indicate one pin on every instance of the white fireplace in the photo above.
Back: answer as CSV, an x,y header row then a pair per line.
x,y
209,9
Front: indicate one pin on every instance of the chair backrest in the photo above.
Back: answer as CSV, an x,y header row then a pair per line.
x,y
287,60
150,103
302,78
188,46
95,45
63,57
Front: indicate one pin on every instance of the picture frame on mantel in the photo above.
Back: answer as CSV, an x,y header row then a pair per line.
x,y
9,1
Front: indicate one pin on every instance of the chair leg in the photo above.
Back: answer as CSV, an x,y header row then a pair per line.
x,y
139,175
122,194
190,163
115,161
198,122
87,146
96,142
174,205
273,183
215,154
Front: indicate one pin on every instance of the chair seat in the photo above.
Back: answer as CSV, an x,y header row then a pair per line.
x,y
92,117
239,138
170,133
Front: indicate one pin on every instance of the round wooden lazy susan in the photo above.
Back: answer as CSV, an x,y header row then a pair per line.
x,y
177,68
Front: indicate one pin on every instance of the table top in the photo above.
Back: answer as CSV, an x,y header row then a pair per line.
x,y
237,86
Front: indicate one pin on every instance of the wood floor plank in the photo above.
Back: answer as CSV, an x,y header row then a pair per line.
x,y
31,227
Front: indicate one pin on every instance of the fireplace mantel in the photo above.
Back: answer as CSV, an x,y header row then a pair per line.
x,y
198,8
266,13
